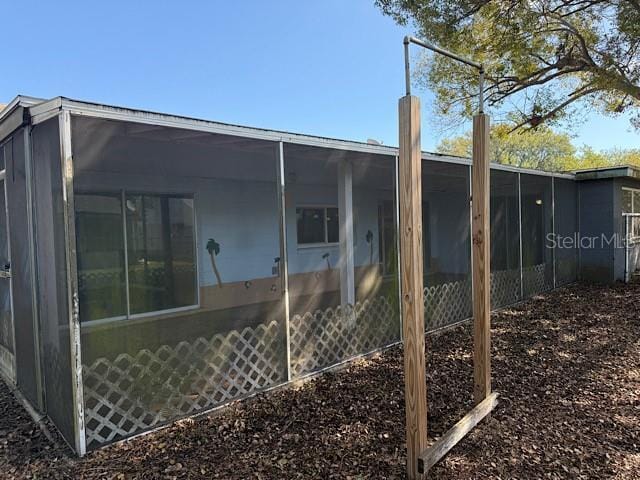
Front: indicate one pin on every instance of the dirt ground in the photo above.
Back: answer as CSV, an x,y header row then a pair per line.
x,y
566,365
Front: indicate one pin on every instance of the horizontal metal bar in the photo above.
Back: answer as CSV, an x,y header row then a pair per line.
x,y
441,447
441,51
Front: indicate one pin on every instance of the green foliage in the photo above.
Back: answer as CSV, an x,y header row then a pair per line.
x,y
540,57
540,149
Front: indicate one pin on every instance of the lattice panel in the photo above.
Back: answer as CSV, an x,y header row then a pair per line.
x,y
133,393
536,280
325,337
107,278
505,288
447,303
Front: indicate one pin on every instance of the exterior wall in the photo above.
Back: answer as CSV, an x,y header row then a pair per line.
x,y
138,373
597,219
618,224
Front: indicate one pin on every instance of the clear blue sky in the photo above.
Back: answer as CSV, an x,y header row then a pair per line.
x,y
324,67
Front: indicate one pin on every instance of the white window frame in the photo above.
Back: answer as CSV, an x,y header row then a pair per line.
x,y
122,193
326,242
634,191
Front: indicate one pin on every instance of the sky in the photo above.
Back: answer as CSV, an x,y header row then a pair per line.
x,y
322,67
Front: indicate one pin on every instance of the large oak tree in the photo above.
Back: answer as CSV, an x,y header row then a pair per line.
x,y
542,58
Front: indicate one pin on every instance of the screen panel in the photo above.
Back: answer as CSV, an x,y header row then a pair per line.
x,y
537,232
51,261
566,231
181,283
505,239
446,243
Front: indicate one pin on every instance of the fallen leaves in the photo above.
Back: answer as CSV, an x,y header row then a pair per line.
x,y
566,364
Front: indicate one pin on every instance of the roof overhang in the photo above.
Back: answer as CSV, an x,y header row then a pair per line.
x,y
40,111
15,114
623,171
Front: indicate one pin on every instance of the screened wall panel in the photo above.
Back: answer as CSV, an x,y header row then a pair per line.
x,y
51,261
537,230
7,343
505,239
566,229
342,259
179,269
446,243
21,267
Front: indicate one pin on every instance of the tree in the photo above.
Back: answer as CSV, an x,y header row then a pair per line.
x,y
541,58
542,149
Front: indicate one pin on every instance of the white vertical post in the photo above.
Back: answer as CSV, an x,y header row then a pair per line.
x,y
284,262
72,281
345,213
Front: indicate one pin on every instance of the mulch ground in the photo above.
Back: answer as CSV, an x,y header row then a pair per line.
x,y
566,364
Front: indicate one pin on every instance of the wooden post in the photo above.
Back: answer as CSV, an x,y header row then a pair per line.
x,y
410,200
481,259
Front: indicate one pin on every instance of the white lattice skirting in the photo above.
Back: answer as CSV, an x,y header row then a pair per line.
x,y
447,303
505,287
134,393
536,280
325,337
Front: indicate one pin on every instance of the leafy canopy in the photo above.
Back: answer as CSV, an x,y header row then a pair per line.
x,y
542,57
540,149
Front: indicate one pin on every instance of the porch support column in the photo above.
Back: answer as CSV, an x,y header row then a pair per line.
x,y
345,214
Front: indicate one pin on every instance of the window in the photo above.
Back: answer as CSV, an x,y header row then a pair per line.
x,y
137,258
317,225
630,200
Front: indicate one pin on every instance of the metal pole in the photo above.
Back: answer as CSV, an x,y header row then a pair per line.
x,y
429,46
72,281
481,91
520,235
123,207
626,249
470,186
553,227
407,72
28,168
284,262
397,227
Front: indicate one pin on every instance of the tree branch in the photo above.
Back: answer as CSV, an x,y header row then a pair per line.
x,y
538,119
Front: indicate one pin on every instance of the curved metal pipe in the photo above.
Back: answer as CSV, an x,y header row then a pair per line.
x,y
429,46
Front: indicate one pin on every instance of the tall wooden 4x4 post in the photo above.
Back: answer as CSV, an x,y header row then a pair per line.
x,y
410,200
481,259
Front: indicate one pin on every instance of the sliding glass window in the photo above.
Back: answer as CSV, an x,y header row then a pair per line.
x,y
155,272
160,252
